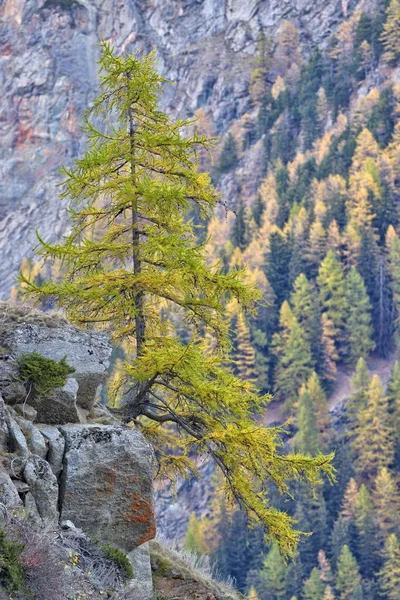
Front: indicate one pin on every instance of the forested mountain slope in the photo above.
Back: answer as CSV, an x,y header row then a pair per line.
x,y
321,236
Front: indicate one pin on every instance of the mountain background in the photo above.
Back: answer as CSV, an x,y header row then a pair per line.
x,y
305,99
48,76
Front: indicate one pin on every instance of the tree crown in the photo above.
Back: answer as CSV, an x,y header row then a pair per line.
x,y
132,264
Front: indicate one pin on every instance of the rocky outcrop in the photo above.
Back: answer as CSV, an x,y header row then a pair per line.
x,y
90,476
88,353
48,78
106,484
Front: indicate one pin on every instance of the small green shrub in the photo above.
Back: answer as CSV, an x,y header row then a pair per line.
x,y
42,374
120,559
12,573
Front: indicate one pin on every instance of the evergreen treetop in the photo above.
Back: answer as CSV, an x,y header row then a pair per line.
x,y
391,32
390,573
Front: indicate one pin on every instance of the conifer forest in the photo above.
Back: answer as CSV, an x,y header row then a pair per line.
x,y
259,334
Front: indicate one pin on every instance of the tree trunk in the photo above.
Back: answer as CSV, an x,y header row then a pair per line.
x,y
136,403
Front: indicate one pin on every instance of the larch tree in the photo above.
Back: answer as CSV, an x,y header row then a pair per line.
x,y
393,249
332,289
306,439
272,577
357,328
143,270
387,504
348,580
349,500
286,322
313,588
334,239
305,306
294,366
319,402
244,355
194,539
391,33
358,400
373,441
329,353
367,531
328,593
324,567
317,245
390,574
252,595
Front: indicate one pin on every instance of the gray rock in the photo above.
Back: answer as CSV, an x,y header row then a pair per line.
x,y
56,448
87,352
26,411
34,438
60,406
17,442
3,426
101,414
106,486
21,486
13,391
8,492
32,509
141,586
43,486
67,525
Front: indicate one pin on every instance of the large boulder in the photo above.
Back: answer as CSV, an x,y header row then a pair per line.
x,y
59,406
106,486
24,331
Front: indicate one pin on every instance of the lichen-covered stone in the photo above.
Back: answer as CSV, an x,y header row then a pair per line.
x,y
87,352
107,484
17,439
44,488
59,407
34,439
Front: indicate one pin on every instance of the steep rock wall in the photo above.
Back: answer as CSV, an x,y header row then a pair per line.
x,y
48,77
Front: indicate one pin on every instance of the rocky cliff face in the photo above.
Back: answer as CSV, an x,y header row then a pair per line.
x,y
59,464
48,77
76,494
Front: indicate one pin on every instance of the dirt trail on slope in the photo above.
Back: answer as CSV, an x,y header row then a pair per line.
x,y
342,387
